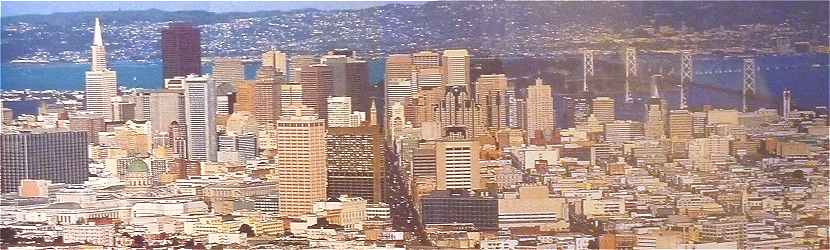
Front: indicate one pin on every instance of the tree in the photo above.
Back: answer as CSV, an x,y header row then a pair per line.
x,y
798,174
247,230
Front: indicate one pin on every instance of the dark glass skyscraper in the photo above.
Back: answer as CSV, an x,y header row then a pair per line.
x,y
61,157
181,50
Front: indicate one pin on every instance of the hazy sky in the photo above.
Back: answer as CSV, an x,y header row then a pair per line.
x,y
14,8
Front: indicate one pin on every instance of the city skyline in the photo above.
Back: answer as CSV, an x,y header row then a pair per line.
x,y
469,128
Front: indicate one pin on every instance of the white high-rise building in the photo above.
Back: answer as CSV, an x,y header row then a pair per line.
x,y
340,111
540,114
101,83
200,117
603,109
456,65
396,93
301,139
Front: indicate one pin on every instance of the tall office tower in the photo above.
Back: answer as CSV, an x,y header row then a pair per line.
x,y
166,106
317,81
88,122
579,109
456,67
101,83
619,132
603,109
122,109
426,60
228,70
245,97
704,153
425,104
296,65
177,140
458,114
267,103
457,165
485,66
200,117
512,102
276,59
359,88
540,115
181,50
356,162
787,97
680,125
428,78
699,121
399,92
290,95
655,118
340,111
337,64
490,94
141,98
301,151
398,67
243,145
60,157
424,160
225,98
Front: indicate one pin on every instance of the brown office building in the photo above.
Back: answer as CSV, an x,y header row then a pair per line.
x,y
355,162
181,50
318,84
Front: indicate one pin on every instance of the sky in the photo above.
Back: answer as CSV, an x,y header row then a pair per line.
x,y
15,8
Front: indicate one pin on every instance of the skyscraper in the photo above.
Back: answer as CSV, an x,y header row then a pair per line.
x,y
356,162
166,106
101,83
619,132
337,64
457,165
540,114
88,122
290,94
357,73
60,157
301,140
398,67
490,94
228,70
267,96
603,109
426,60
579,109
456,67
340,111
276,59
296,65
655,118
181,50
317,81
680,125
200,106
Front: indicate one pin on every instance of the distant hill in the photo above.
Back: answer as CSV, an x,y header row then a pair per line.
x,y
401,27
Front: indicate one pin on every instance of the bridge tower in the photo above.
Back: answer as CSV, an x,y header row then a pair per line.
x,y
687,75
748,83
587,67
630,71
